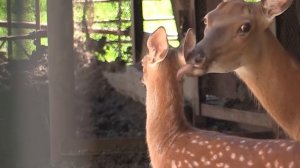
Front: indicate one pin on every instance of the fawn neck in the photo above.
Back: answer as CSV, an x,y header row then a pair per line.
x,y
274,80
164,106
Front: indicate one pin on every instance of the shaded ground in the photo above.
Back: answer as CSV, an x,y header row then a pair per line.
x,y
102,113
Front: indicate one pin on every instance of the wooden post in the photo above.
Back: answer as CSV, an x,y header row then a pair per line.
x,y
9,28
61,74
37,22
137,29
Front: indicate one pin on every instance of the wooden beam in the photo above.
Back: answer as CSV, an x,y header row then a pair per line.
x,y
9,27
137,29
239,116
32,35
60,74
200,12
25,25
98,1
93,147
37,21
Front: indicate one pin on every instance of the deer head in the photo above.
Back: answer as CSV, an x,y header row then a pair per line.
x,y
234,36
159,50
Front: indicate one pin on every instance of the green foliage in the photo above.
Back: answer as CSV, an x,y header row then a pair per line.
x,y
22,11
2,10
108,11
101,12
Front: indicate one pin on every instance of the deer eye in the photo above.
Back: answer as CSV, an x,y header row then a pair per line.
x,y
245,28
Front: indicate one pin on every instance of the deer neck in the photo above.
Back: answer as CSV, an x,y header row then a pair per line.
x,y
274,80
165,116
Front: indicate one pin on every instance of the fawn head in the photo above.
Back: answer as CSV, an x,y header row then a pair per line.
x,y
162,58
233,36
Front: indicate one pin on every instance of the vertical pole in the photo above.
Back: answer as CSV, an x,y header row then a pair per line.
x,y
137,29
9,28
37,22
200,12
119,27
60,74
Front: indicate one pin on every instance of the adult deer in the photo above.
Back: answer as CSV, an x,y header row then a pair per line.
x,y
173,143
237,38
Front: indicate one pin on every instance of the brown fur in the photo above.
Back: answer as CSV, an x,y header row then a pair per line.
x,y
257,57
173,143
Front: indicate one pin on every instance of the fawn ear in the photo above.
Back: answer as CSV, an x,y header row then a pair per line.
x,y
187,45
158,45
273,8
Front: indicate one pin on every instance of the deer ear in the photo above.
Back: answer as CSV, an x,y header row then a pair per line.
x,y
187,45
158,45
273,8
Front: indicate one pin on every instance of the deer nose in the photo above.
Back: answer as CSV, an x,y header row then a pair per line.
x,y
198,59
197,56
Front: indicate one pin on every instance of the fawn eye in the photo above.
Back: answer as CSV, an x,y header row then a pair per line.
x,y
245,28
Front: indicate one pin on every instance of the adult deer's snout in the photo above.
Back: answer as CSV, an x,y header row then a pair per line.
x,y
195,64
197,56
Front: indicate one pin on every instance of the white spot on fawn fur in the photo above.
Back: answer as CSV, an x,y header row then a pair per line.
x,y
179,163
203,159
289,148
241,158
250,163
269,151
194,141
207,163
232,156
220,164
173,165
226,166
291,164
195,163
183,150
283,144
